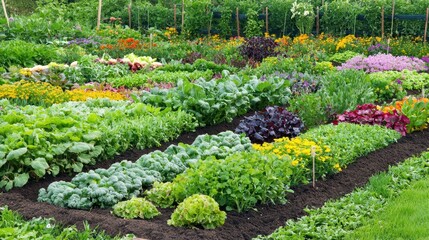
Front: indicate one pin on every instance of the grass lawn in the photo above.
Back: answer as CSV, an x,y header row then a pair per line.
x,y
405,217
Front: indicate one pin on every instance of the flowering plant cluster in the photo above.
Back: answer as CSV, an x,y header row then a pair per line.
x,y
41,93
370,114
303,14
384,62
299,150
416,109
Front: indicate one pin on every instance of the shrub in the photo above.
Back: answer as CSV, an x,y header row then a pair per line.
x,y
135,208
258,48
273,122
198,210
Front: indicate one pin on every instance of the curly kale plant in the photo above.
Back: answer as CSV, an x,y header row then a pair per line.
x,y
258,48
273,122
135,208
198,210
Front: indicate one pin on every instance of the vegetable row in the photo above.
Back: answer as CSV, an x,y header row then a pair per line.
x,y
37,141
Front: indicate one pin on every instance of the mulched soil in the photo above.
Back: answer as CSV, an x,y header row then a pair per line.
x,y
264,219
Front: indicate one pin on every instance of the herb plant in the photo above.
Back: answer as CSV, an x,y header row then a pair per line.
x,y
258,48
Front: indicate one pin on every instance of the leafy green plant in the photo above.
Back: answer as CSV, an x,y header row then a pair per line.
x,y
342,57
253,25
106,187
135,208
337,219
38,141
14,226
238,182
198,210
20,53
350,141
160,194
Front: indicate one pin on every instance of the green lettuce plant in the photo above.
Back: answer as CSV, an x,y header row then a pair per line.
x,y
198,210
135,208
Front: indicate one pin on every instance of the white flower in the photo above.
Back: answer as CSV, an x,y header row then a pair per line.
x,y
306,13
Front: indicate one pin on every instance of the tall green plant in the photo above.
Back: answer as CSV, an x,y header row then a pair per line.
x,y
253,25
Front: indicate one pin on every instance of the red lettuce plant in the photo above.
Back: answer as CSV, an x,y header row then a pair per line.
x,y
369,114
269,124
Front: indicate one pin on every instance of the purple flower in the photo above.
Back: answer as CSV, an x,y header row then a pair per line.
x,y
425,59
383,62
398,81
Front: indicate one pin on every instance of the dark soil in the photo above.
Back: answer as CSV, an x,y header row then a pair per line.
x,y
263,220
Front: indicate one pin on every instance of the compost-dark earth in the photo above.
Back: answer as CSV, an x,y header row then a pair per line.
x,y
264,219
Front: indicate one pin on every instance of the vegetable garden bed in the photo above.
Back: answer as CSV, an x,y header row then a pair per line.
x,y
264,219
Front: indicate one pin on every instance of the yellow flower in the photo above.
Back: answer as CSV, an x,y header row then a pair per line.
x,y
294,163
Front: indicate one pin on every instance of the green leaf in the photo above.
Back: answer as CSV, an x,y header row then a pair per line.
x,y
21,179
77,167
14,154
40,165
61,148
84,158
55,170
79,147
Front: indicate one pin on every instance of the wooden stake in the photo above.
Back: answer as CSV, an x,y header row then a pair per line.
x,y
210,24
175,18
237,18
313,155
266,19
5,12
183,16
426,25
317,21
382,22
100,3
393,15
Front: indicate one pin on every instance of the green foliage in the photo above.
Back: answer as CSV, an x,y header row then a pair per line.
x,y
24,54
279,17
224,26
350,141
340,17
410,80
401,218
238,182
159,76
197,16
135,208
198,210
342,57
417,112
219,100
14,226
38,141
337,219
340,91
160,194
386,89
105,187
253,26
